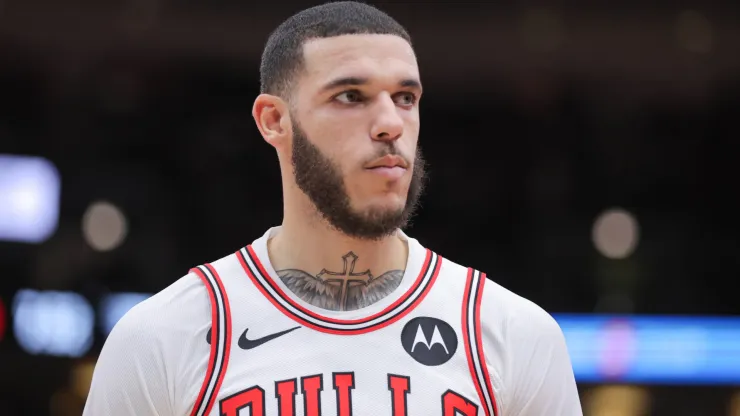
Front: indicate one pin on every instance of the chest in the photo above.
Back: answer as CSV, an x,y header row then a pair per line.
x,y
413,354
417,366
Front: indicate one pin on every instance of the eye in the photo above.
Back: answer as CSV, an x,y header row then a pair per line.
x,y
405,98
349,97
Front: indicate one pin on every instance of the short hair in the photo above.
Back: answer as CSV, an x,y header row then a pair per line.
x,y
282,58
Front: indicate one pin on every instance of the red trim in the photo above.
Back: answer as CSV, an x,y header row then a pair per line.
x,y
400,300
309,324
466,339
214,337
227,350
479,341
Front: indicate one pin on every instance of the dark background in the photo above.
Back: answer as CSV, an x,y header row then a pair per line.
x,y
537,117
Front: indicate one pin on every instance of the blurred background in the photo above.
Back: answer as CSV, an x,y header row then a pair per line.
x,y
584,155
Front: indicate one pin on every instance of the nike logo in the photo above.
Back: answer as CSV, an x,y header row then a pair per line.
x,y
247,344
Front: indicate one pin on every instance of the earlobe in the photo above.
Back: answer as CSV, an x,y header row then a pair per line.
x,y
269,113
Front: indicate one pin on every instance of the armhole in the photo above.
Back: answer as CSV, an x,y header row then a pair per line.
x,y
473,340
220,340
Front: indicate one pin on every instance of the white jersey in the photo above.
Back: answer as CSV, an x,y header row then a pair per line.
x,y
230,339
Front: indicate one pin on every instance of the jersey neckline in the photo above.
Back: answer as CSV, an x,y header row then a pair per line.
x,y
422,267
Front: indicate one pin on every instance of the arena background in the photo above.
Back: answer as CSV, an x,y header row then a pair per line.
x,y
584,154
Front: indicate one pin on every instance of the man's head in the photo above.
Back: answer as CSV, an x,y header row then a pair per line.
x,y
340,92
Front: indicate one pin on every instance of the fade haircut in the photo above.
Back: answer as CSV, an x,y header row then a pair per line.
x,y
282,59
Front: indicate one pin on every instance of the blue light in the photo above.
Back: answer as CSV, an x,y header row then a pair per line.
x,y
53,323
653,349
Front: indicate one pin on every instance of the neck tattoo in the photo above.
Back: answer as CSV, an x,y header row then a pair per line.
x,y
343,290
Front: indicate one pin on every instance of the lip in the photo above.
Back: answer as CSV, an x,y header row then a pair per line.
x,y
388,161
389,172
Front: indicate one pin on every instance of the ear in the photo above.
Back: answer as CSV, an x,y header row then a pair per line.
x,y
271,114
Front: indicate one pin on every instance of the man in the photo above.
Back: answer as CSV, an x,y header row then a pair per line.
x,y
337,311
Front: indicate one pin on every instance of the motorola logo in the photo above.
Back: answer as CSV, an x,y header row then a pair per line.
x,y
429,341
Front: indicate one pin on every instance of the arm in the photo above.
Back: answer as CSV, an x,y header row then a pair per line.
x,y
130,377
541,380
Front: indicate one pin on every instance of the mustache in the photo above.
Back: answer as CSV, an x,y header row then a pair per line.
x,y
388,149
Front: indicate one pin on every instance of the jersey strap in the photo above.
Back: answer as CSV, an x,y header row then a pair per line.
x,y
472,338
220,339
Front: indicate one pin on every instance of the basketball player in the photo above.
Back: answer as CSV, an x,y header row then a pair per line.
x,y
337,311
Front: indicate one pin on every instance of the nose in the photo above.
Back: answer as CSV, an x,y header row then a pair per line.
x,y
388,126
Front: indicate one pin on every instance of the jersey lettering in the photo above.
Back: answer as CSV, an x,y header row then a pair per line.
x,y
344,383
311,386
399,386
454,404
285,393
253,397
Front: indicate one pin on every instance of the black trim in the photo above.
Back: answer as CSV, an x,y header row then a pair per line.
x,y
349,390
222,345
481,362
248,404
424,285
475,354
214,344
457,409
405,394
292,398
318,393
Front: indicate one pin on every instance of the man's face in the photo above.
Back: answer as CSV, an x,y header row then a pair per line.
x,y
355,132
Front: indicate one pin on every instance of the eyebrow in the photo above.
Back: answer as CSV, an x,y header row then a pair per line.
x,y
357,81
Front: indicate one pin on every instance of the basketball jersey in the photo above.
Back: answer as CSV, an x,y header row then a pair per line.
x,y
424,350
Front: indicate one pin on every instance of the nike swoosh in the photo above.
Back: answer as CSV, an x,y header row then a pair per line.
x,y
248,344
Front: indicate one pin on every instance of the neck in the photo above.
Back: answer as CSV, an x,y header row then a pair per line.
x,y
332,270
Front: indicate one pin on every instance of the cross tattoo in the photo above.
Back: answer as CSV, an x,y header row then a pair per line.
x,y
346,277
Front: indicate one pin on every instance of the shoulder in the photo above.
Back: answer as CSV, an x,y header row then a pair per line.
x,y
528,355
514,315
504,314
170,310
180,312
160,325
147,353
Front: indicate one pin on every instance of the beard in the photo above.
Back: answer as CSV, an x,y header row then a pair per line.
x,y
322,181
